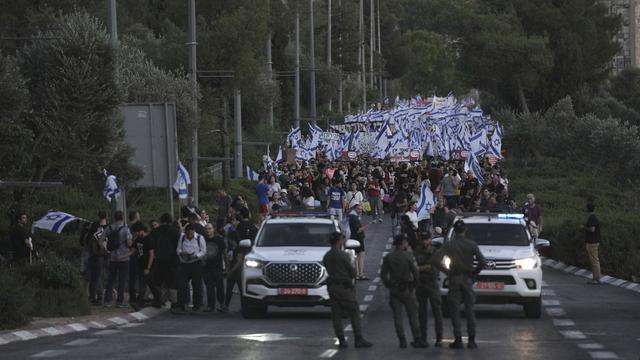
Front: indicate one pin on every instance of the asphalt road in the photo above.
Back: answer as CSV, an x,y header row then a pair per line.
x,y
579,322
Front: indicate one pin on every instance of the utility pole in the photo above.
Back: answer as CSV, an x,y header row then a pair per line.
x,y
312,54
379,43
270,66
112,19
193,67
237,134
329,45
363,68
296,87
340,107
372,42
225,145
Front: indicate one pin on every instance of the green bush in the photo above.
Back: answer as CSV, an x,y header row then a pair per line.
x,y
60,289
17,297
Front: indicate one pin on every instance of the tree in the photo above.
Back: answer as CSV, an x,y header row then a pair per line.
x,y
626,87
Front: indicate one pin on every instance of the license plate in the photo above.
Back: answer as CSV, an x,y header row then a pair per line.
x,y
490,285
293,291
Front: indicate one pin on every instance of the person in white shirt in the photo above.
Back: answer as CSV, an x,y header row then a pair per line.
x,y
191,249
354,196
274,186
412,214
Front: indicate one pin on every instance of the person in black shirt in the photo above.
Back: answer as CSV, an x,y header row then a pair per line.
x,y
216,262
246,229
592,240
144,246
165,238
97,252
21,240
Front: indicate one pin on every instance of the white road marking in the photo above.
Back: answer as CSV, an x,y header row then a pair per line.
x,y
390,240
571,268
603,355
49,353
559,266
3,341
606,278
388,247
555,311
107,332
98,325
328,354
381,261
348,328
582,272
385,253
118,320
129,325
52,331
548,292
364,307
631,286
261,337
619,282
368,298
376,280
590,346
138,315
373,287
78,327
24,335
550,302
563,322
81,342
573,334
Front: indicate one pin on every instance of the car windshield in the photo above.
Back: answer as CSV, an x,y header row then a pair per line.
x,y
497,234
299,234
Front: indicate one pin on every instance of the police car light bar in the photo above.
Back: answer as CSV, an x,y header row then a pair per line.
x,y
510,216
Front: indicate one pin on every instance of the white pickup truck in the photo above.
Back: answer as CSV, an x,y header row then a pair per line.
x,y
284,267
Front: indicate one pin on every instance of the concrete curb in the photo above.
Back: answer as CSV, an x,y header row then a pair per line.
x,y
124,319
605,279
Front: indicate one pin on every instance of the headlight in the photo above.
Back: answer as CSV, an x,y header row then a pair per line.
x,y
527,263
446,262
253,263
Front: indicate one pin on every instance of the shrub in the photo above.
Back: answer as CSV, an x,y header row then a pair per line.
x,y
17,297
60,289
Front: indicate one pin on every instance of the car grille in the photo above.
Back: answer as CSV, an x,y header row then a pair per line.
x,y
293,273
498,264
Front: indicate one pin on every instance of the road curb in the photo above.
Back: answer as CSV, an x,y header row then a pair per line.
x,y
105,323
606,279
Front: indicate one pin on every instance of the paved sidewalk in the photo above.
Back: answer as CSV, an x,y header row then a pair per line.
x,y
102,318
605,279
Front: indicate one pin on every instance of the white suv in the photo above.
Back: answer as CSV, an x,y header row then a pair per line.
x,y
513,273
284,266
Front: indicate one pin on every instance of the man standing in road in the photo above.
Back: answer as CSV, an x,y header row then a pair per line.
x,y
336,199
165,238
460,253
592,239
191,250
428,289
357,233
262,193
342,292
118,259
534,215
400,275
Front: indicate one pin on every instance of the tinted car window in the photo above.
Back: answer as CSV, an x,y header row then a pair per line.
x,y
296,235
497,234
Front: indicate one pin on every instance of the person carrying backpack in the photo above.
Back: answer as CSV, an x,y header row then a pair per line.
x,y
119,241
94,245
216,262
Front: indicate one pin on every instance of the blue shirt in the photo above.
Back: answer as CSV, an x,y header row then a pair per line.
x,y
262,191
335,197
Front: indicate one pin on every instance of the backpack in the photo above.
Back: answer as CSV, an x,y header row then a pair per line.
x,y
113,239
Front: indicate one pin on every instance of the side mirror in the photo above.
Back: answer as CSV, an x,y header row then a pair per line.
x,y
438,241
246,243
542,243
352,244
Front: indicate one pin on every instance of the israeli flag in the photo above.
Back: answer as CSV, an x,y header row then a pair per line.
x,y
426,201
279,157
294,137
473,165
252,175
495,147
54,221
182,180
111,189
479,142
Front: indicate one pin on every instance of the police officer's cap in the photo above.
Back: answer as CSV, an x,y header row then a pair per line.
x,y
398,239
459,227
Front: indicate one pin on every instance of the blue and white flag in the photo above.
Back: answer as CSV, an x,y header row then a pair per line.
x,y
473,165
54,221
294,137
279,157
426,201
479,142
182,180
495,147
252,175
111,189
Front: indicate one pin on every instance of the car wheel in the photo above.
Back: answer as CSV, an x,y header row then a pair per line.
x,y
253,309
533,309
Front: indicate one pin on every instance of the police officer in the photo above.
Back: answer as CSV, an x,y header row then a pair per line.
x,y
342,292
461,252
400,275
428,290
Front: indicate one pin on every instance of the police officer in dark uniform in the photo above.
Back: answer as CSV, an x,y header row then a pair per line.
x,y
342,292
461,252
428,290
400,275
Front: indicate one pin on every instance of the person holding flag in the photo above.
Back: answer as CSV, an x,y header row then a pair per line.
x,y
182,180
21,243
